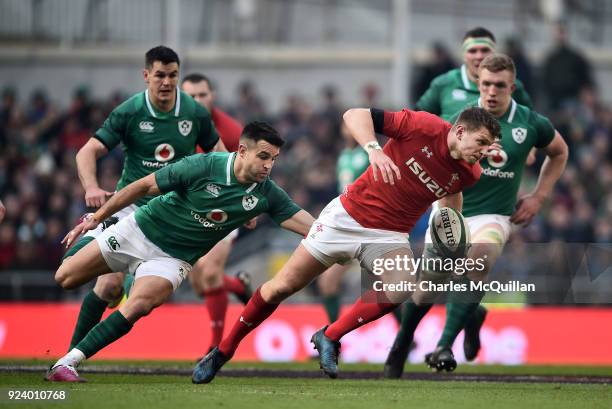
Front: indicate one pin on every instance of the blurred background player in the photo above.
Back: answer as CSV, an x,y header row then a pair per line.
x,y
490,206
208,277
156,127
449,93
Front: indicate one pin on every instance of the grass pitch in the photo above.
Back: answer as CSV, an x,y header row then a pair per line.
x,y
239,389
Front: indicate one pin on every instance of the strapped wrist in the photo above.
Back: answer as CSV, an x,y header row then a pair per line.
x,y
372,146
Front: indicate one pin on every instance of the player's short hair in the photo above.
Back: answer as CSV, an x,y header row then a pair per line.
x,y
498,62
474,118
479,32
258,130
161,53
196,78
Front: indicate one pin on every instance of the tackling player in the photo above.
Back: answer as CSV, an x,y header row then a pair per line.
x,y
205,197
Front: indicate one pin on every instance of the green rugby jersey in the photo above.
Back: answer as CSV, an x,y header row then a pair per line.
x,y
453,91
152,139
203,203
352,162
495,192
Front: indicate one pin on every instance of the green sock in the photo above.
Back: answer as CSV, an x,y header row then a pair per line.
x,y
457,315
105,333
128,282
90,314
332,306
412,314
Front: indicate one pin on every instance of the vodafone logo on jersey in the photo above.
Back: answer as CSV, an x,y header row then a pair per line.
x,y
499,158
217,216
164,152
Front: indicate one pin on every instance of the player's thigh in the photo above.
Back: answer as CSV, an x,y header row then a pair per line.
x,y
300,269
82,267
329,281
489,235
109,286
212,264
393,265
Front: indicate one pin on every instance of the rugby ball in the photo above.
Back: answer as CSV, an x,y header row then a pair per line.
x,y
449,232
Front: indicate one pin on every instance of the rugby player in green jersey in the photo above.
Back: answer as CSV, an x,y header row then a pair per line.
x,y
491,206
156,127
451,92
205,197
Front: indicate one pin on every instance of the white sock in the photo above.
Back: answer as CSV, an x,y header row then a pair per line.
x,y
72,358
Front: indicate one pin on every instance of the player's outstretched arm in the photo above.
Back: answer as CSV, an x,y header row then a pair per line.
x,y
219,147
360,124
86,159
454,201
552,168
299,223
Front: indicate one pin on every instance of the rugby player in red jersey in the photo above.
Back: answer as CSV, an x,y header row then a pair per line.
x,y
425,160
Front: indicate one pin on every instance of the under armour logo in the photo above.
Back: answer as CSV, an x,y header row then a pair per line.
x,y
427,152
454,178
360,320
318,229
248,324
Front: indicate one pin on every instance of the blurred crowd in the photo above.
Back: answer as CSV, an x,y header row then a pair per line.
x,y
43,196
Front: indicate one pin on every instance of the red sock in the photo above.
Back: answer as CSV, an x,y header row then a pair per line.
x,y
360,314
254,313
216,304
233,285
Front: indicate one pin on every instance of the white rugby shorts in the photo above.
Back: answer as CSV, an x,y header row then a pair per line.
x,y
125,248
121,214
335,237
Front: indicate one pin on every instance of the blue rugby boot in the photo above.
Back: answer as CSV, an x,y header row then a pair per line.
x,y
207,368
328,352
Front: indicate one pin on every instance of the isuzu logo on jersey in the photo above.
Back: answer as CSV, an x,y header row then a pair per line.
x,y
146,126
429,183
185,127
213,189
217,216
164,152
519,134
249,202
499,159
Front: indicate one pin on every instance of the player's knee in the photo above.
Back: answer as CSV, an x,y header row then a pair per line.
x,y
64,277
109,287
141,306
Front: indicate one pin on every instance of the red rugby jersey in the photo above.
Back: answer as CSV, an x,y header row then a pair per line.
x,y
418,147
228,128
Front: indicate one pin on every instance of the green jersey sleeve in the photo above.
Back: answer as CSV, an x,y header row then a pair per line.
x,y
521,96
113,129
179,175
544,128
208,135
280,205
430,100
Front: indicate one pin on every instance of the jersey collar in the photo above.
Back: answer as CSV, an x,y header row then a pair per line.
x,y
229,173
154,113
467,84
508,116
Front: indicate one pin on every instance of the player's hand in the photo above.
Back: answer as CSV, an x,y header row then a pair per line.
x,y
384,164
525,210
88,223
96,197
251,224
493,150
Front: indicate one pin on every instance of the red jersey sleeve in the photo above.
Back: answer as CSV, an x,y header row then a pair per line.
x,y
405,123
